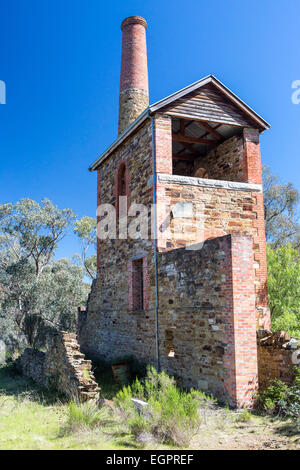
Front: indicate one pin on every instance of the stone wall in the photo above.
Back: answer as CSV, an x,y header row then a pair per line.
x,y
225,162
197,320
207,318
278,354
217,208
32,364
136,155
62,367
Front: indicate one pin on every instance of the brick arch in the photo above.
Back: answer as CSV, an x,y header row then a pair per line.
x,y
122,185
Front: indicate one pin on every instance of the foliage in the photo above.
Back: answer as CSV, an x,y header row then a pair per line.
x,y
83,415
244,416
173,415
85,229
36,291
32,418
284,288
282,399
280,205
30,230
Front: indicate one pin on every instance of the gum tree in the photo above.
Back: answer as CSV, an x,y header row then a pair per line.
x,y
37,292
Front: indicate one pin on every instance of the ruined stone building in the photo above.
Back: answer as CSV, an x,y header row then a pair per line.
x,y
190,298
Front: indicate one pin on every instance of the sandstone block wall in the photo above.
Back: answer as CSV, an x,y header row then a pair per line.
x,y
226,161
62,366
217,210
278,354
207,318
197,320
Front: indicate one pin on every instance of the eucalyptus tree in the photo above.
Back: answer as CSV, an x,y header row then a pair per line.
x,y
85,229
281,211
36,291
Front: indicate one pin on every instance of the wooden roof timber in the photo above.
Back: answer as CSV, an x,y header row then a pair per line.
x,y
194,140
210,79
177,156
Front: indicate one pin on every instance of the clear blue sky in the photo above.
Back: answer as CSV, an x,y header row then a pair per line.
x,y
60,60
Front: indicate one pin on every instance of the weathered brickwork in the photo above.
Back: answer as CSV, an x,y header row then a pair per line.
x,y
63,367
136,155
241,357
252,160
216,212
163,143
237,159
131,103
197,319
209,311
134,95
113,328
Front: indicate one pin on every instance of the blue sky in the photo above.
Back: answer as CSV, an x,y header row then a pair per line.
x,y
60,60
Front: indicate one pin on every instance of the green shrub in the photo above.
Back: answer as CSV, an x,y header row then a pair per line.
x,y
172,415
84,415
282,399
284,288
244,416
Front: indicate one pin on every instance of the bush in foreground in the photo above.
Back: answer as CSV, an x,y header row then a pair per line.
x,y
282,399
171,416
83,415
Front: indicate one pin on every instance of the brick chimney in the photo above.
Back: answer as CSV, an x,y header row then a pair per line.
x,y
134,94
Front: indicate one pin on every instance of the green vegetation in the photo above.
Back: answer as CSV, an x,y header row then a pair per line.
x,y
83,415
35,418
85,229
37,291
171,416
282,399
284,288
281,211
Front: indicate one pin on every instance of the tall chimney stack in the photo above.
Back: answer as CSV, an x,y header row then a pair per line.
x,y
134,94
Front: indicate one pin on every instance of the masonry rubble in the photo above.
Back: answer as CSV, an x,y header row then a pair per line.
x,y
62,366
277,359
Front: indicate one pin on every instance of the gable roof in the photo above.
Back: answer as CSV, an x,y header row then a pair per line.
x,y
166,104
210,79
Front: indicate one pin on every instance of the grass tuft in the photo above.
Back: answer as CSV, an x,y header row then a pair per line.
x,y
83,415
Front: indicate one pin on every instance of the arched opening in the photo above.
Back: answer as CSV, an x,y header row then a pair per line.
x,y
122,186
122,180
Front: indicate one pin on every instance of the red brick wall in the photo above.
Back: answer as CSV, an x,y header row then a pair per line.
x,y
134,73
117,185
252,161
240,360
133,281
253,174
163,144
134,96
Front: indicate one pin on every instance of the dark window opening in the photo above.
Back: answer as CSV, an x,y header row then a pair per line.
x,y
121,186
169,343
122,181
137,284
